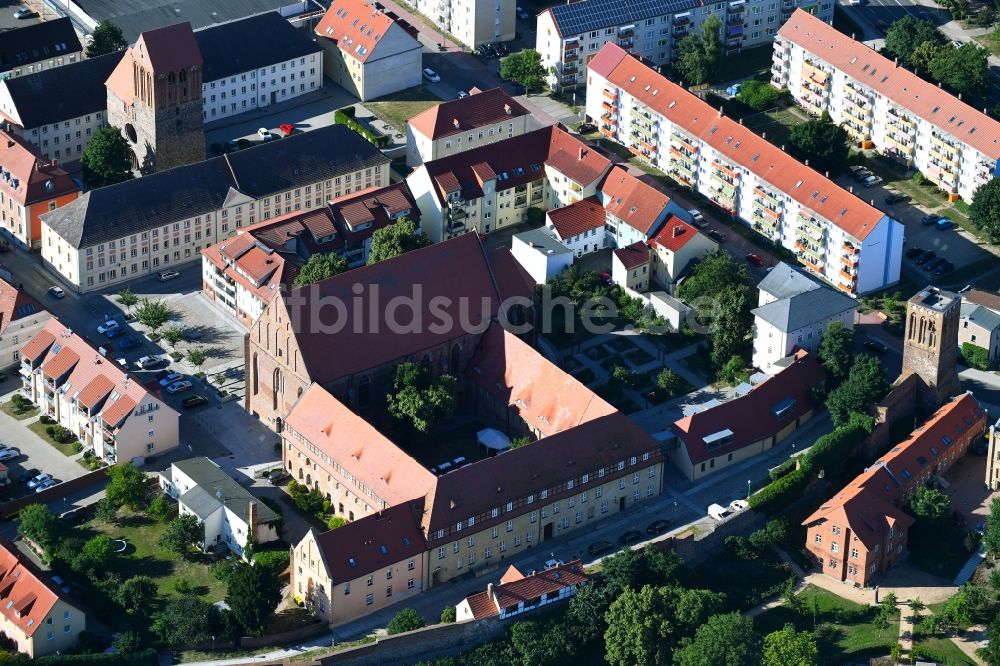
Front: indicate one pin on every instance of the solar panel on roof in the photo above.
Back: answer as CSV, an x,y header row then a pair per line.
x,y
581,17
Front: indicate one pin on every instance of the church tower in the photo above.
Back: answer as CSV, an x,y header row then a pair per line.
x,y
154,98
930,346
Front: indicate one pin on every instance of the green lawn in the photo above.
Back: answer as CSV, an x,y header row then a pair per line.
x,y
398,108
938,549
941,650
747,62
145,556
842,628
989,43
39,429
9,409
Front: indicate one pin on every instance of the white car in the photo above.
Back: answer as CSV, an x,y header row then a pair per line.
x,y
872,180
177,387
56,292
41,478
431,75
265,134
169,275
108,326
9,454
45,485
147,362
461,94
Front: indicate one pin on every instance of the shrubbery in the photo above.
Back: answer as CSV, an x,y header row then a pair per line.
x,y
975,356
275,561
345,116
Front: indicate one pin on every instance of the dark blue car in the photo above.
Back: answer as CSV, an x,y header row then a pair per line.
x,y
128,343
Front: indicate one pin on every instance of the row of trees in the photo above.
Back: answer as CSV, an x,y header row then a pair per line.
x,y
918,44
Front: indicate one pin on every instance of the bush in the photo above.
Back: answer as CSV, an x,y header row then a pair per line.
x,y
51,431
346,115
448,615
183,586
147,657
159,509
832,451
975,356
784,468
405,620
78,446
334,522
776,495
46,419
275,561
918,178
759,95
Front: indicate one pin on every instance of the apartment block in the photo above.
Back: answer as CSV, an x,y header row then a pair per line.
x,y
39,47
862,530
21,318
569,35
83,390
836,235
472,22
114,234
484,117
886,106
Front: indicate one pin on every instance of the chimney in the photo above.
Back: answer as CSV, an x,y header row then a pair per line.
x,y
720,111
851,188
678,230
252,517
959,96
873,203
896,60
455,122
507,109
827,174
763,135
806,161
741,121
489,591
583,152
782,147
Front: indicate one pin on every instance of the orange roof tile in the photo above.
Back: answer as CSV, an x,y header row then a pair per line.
x,y
633,256
632,201
575,159
674,234
98,389
736,143
121,82
480,109
898,84
26,598
578,217
35,179
61,363
514,590
355,25
37,346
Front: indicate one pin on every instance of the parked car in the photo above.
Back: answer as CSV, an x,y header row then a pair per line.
x,y
926,256
9,454
697,219
875,346
170,378
27,475
218,148
44,476
461,94
169,275
431,75
287,129
657,527
946,267
717,236
914,252
178,387
944,224
586,128
862,174
632,536
115,331
853,170
599,547
45,485
56,292
933,263
194,401
150,362
896,198
754,260
264,134
128,343
929,219
872,180
108,325
25,13
604,277
552,563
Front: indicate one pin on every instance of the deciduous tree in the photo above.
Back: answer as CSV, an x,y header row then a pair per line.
x,y
106,38
725,640
320,266
420,399
930,504
787,647
699,55
964,69
252,595
822,143
107,159
395,239
405,620
181,533
186,620
127,486
985,209
991,535
908,34
136,595
835,351
524,68
865,386
38,523
153,314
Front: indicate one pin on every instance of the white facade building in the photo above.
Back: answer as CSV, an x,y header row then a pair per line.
x,y
568,35
885,106
472,22
541,254
835,234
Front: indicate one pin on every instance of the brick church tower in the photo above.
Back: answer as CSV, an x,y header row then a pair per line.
x,y
154,97
930,346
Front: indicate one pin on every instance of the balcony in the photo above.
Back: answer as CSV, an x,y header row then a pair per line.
x,y
627,32
811,253
727,170
850,249
456,214
682,19
846,277
570,58
647,145
609,131
683,144
611,95
899,117
455,227
684,170
680,30
608,106
850,260
768,198
625,43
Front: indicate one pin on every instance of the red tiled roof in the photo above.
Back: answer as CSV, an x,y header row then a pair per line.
x,y
633,256
37,180
632,201
988,299
38,345
356,549
356,26
575,159
61,363
479,109
578,217
25,597
868,516
95,391
481,605
115,412
525,588
751,417
334,429
16,304
736,143
170,48
898,84
674,234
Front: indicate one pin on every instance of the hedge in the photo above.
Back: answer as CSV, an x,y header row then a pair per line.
x,y
274,560
776,495
975,356
146,657
781,470
345,116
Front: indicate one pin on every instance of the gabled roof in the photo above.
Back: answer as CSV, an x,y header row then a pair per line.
x,y
632,201
168,196
869,517
374,542
768,408
57,94
25,177
15,305
988,299
898,84
805,309
574,19
735,142
516,588
37,42
633,256
358,27
168,49
250,43
674,234
784,281
459,270
480,109
216,489
26,594
981,315
577,217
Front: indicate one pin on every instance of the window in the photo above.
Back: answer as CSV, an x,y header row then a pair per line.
x,y
818,538
409,584
834,547
369,599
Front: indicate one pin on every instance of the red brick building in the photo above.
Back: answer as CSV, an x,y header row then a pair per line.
x,y
862,530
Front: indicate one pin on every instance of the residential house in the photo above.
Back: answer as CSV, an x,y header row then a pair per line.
x,y
58,109
541,254
29,186
368,51
243,273
676,248
472,22
836,235
482,117
568,35
980,322
231,517
118,233
579,226
886,106
21,318
794,312
493,186
81,389
862,530
630,266
361,567
519,593
756,421
39,47
37,617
